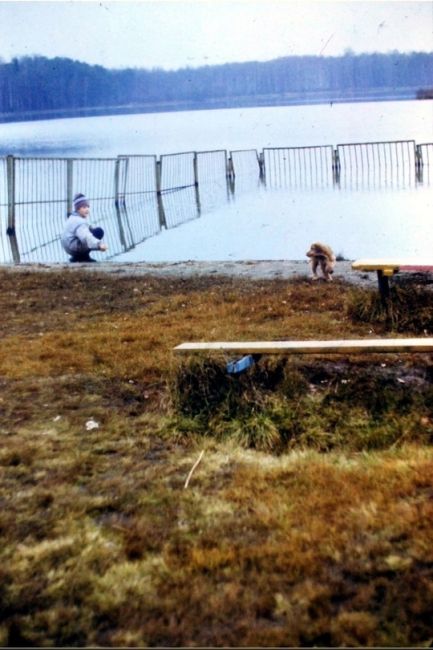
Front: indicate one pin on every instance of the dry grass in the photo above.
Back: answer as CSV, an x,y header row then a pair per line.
x,y
274,543
410,307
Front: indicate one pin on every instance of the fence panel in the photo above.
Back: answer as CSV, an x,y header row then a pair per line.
x,y
245,161
40,206
211,166
245,177
95,177
137,175
177,171
377,164
426,163
212,179
426,150
299,167
43,187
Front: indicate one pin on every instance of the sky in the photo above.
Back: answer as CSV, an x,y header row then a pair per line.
x,y
172,34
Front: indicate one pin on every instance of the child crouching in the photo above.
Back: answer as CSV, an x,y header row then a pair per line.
x,y
78,238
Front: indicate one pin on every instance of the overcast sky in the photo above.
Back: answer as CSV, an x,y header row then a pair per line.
x,y
177,33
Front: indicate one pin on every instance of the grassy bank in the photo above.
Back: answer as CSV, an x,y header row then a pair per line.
x,y
308,518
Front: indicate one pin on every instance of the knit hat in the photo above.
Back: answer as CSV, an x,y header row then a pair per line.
x,y
80,201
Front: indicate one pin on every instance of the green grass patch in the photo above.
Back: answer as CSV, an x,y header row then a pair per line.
x,y
281,404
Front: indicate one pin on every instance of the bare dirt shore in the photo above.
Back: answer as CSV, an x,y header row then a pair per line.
x,y
256,270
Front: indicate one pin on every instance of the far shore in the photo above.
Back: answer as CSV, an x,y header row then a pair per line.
x,y
256,101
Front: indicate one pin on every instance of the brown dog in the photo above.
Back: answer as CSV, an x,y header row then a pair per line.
x,y
323,256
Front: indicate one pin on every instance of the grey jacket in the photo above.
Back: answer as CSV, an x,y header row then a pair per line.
x,y
76,237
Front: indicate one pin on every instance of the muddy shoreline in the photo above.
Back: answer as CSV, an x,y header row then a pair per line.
x,y
254,270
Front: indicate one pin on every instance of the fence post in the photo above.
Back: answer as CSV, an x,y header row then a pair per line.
x,y
161,212
197,193
11,232
195,165
336,167
230,168
419,163
117,181
69,183
10,169
261,161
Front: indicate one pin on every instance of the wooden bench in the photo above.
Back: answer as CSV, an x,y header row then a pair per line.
x,y
386,267
252,350
310,347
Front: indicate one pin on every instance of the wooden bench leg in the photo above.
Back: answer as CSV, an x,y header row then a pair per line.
x,y
383,283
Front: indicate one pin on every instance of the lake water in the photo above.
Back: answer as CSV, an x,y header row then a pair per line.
x,y
368,212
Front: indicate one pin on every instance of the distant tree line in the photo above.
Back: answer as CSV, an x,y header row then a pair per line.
x,y
41,84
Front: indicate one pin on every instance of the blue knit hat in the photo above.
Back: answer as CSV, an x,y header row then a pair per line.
x,y
80,201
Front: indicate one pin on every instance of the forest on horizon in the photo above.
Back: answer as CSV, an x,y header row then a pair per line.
x,y
33,84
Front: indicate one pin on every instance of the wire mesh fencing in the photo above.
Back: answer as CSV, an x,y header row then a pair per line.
x,y
426,151
425,162
245,171
244,162
212,190
136,176
211,166
40,206
177,171
299,167
137,209
95,177
377,164
133,197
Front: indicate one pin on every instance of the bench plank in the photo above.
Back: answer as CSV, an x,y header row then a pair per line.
x,y
310,347
386,267
391,265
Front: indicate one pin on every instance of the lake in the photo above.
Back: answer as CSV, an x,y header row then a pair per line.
x,y
382,210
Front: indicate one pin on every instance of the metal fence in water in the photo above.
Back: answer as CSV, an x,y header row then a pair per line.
x,y
136,175
135,196
212,178
378,163
425,162
211,166
39,198
136,199
299,167
245,170
243,160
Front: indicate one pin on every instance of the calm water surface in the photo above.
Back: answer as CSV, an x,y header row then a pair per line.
x,y
236,128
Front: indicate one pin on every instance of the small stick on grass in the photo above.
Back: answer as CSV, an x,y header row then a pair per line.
x,y
193,468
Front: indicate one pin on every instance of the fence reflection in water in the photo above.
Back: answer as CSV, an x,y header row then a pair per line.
x,y
134,197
